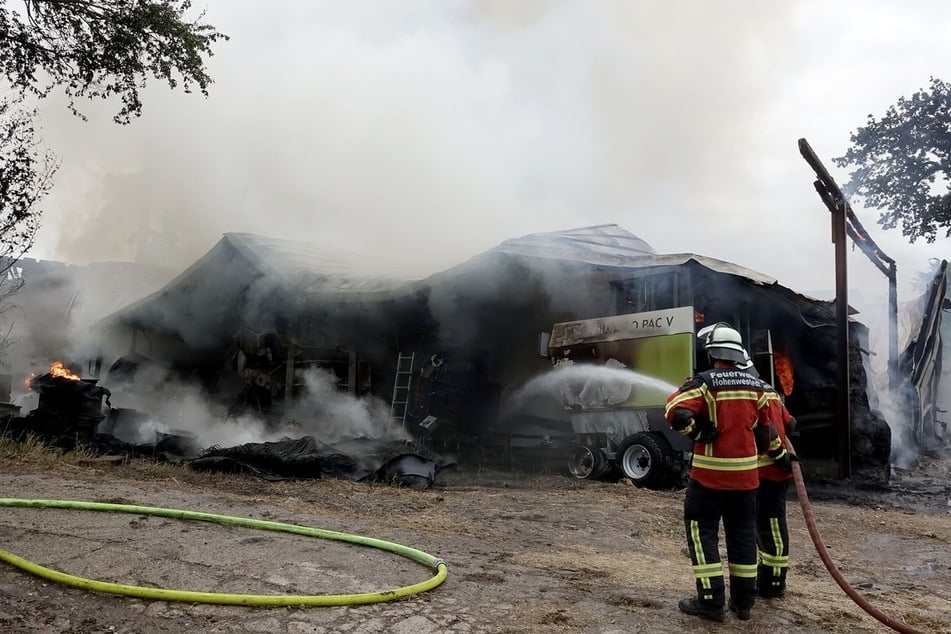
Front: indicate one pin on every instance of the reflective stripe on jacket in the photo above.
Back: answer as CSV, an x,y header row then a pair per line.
x,y
735,402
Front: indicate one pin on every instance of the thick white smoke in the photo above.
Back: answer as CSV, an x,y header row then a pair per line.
x,y
180,408
420,133
331,415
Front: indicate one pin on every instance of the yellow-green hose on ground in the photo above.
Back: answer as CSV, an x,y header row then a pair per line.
x,y
439,567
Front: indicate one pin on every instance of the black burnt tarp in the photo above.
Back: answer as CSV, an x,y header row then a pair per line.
x,y
360,459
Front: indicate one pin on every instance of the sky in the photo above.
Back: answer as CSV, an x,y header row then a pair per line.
x,y
420,133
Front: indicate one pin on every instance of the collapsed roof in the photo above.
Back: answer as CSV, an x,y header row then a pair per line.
x,y
243,265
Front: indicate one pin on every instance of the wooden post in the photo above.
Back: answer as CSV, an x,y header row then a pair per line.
x,y
892,327
846,225
289,374
842,342
352,371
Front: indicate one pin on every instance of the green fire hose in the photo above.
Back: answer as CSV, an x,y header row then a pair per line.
x,y
440,570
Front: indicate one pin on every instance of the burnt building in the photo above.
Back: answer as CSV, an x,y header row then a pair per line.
x,y
448,354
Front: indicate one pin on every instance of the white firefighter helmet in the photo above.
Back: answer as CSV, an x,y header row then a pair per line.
x,y
747,365
723,342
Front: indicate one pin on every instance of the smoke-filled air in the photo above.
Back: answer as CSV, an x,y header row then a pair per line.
x,y
175,407
418,134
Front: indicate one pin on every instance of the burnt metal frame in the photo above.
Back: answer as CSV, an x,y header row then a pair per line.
x,y
844,222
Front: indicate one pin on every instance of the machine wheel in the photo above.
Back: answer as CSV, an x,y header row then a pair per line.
x,y
645,459
586,463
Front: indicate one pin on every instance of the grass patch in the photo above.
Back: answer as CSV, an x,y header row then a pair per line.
x,y
159,470
33,450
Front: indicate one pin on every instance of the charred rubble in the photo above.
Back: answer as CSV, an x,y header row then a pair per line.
x,y
77,414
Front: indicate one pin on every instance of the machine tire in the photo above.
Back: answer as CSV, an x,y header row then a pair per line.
x,y
587,463
645,458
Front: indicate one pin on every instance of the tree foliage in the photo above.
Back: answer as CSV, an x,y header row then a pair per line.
x,y
91,49
26,172
105,48
902,163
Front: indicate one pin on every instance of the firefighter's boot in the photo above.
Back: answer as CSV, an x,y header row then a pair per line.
x,y
741,613
769,584
703,609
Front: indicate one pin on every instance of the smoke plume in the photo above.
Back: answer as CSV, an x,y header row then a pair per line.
x,y
421,133
322,411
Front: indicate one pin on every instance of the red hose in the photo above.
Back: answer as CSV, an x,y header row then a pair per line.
x,y
827,560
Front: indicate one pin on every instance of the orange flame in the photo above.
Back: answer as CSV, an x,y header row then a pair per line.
x,y
784,372
58,369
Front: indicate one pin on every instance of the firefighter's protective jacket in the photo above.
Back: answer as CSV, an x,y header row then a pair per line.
x,y
780,418
734,403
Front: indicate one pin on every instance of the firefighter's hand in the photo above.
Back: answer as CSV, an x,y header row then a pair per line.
x,y
785,460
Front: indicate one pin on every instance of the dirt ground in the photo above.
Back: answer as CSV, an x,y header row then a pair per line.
x,y
526,553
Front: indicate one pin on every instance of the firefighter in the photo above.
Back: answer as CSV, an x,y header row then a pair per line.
x,y
772,532
775,472
723,410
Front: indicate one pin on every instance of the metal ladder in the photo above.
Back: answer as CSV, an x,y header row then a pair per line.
x,y
401,384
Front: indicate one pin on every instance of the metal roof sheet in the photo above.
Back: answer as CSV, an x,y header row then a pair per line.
x,y
322,274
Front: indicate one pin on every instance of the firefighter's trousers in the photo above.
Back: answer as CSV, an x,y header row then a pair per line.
x,y
703,510
772,536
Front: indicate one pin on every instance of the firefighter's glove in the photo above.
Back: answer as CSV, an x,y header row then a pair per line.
x,y
704,431
783,458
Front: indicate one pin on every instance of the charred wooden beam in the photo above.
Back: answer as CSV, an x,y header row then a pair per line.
x,y
832,197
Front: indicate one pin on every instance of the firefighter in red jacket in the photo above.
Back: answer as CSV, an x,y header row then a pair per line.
x,y
775,472
724,411
772,532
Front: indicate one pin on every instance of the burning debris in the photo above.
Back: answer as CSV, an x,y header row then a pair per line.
x,y
69,410
75,412
784,372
